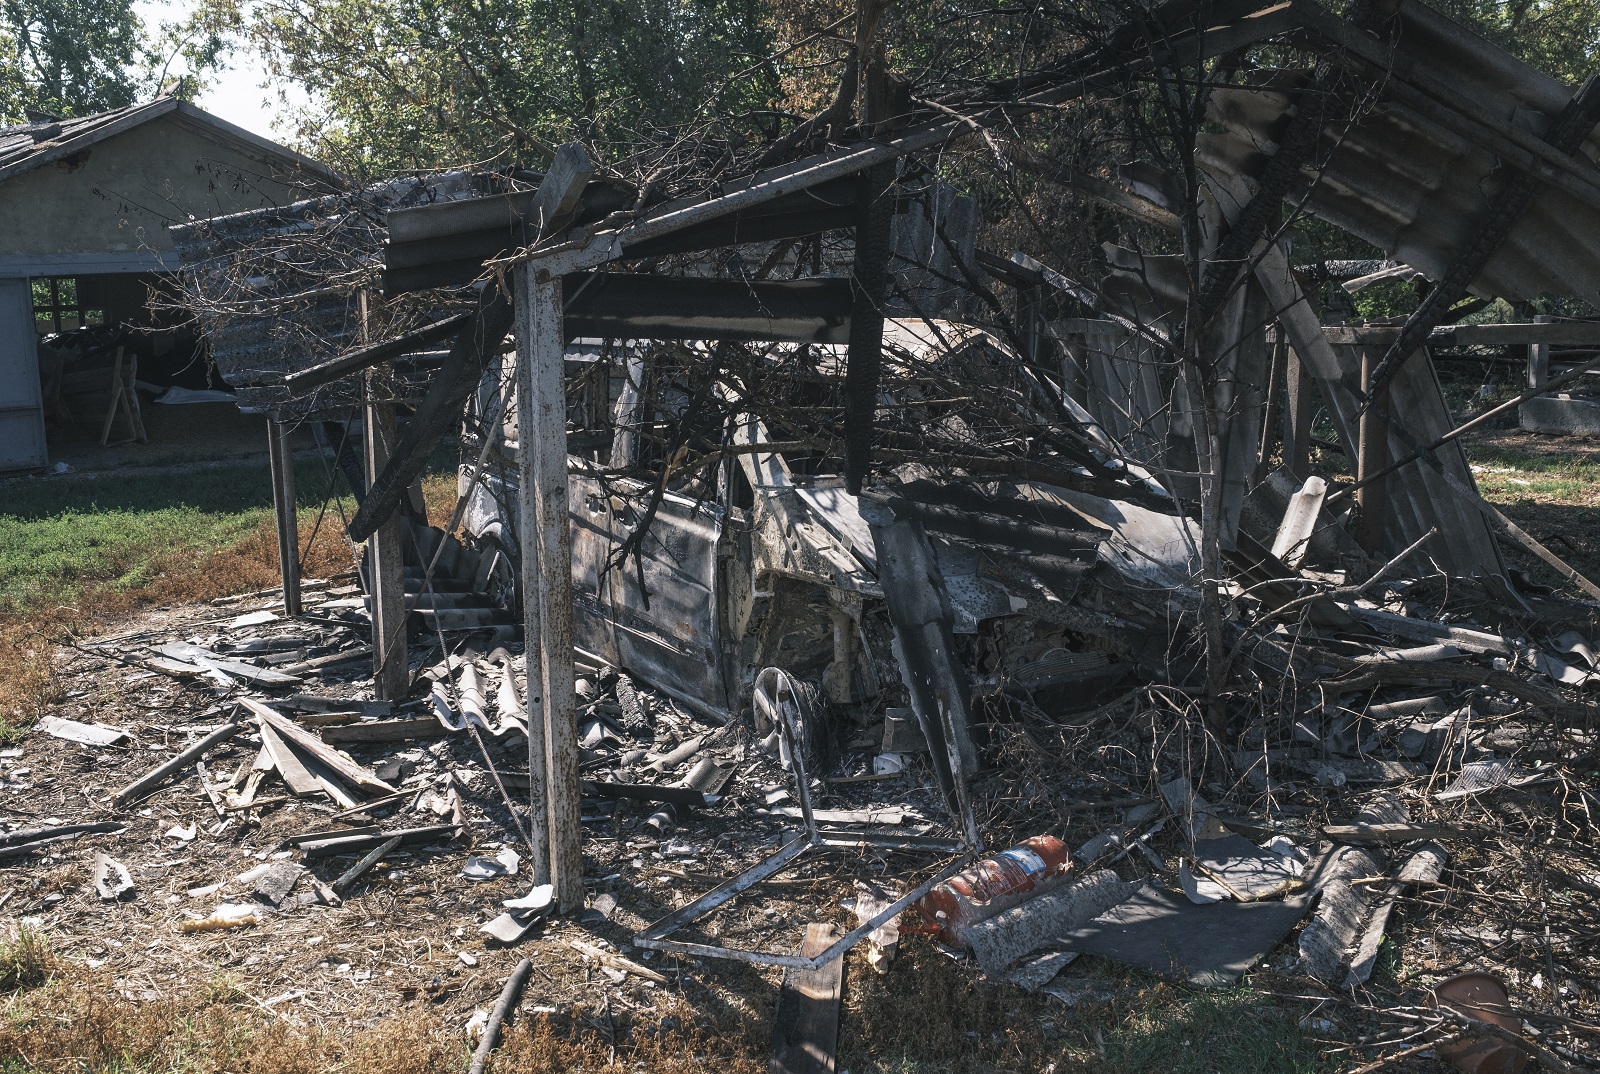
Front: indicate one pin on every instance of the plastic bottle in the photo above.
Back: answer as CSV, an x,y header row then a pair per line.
x,y
991,885
226,916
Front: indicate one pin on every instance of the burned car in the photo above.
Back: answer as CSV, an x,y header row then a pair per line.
x,y
697,581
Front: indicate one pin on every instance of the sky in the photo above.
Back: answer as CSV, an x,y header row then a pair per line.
x,y
237,94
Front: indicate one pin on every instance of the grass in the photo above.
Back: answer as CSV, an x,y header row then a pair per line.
x,y
26,960
933,1015
67,1017
929,1016
77,552
1511,474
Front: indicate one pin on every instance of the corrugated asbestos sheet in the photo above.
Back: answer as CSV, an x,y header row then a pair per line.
x,y
19,143
32,145
281,287
1417,185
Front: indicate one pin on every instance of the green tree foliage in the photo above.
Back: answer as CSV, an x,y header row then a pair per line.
x,y
72,58
432,82
67,57
1560,37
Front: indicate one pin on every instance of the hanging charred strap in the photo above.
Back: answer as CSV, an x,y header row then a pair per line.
x,y
869,278
439,410
1567,133
1261,212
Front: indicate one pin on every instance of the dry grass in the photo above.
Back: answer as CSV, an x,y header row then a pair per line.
x,y
26,960
58,1016
232,560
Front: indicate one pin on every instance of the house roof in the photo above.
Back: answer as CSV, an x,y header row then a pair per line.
x,y
33,145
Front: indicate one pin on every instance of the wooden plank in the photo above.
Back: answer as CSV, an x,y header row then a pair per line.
x,y
805,1029
1563,333
346,770
383,731
561,189
294,773
162,771
385,559
1389,833
532,616
547,577
281,464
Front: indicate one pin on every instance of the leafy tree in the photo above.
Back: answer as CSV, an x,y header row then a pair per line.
x,y
432,82
76,57
1560,37
67,57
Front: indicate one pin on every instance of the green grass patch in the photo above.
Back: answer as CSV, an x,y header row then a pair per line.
x,y
26,960
1510,475
62,537
1202,1032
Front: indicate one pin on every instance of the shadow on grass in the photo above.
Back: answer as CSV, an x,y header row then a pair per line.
x,y
932,1015
220,488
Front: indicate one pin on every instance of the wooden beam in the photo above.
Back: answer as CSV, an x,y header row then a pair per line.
x,y
1539,359
1562,333
305,379
281,462
385,557
805,1028
1297,417
545,538
1372,454
629,306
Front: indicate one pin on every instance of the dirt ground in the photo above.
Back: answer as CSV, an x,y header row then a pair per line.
x,y
401,958
1518,897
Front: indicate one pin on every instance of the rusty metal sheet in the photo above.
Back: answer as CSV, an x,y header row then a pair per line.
x,y
659,615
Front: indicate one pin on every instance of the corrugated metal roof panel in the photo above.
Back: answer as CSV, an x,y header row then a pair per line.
x,y
279,289
1417,189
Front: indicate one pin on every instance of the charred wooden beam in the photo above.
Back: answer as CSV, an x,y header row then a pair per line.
x,y
664,307
367,357
439,410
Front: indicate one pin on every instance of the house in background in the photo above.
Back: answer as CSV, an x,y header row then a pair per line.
x,y
84,210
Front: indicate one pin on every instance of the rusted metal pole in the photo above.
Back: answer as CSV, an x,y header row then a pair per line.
x,y
546,544
281,462
1372,454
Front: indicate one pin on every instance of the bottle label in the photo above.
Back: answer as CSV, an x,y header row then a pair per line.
x,y
1030,861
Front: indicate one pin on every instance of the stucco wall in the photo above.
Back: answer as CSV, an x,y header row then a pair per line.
x,y
123,195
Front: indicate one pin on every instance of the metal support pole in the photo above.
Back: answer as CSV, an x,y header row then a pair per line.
x,y
281,462
1372,455
546,543
385,557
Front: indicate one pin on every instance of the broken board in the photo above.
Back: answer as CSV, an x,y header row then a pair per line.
x,y
805,1029
89,734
